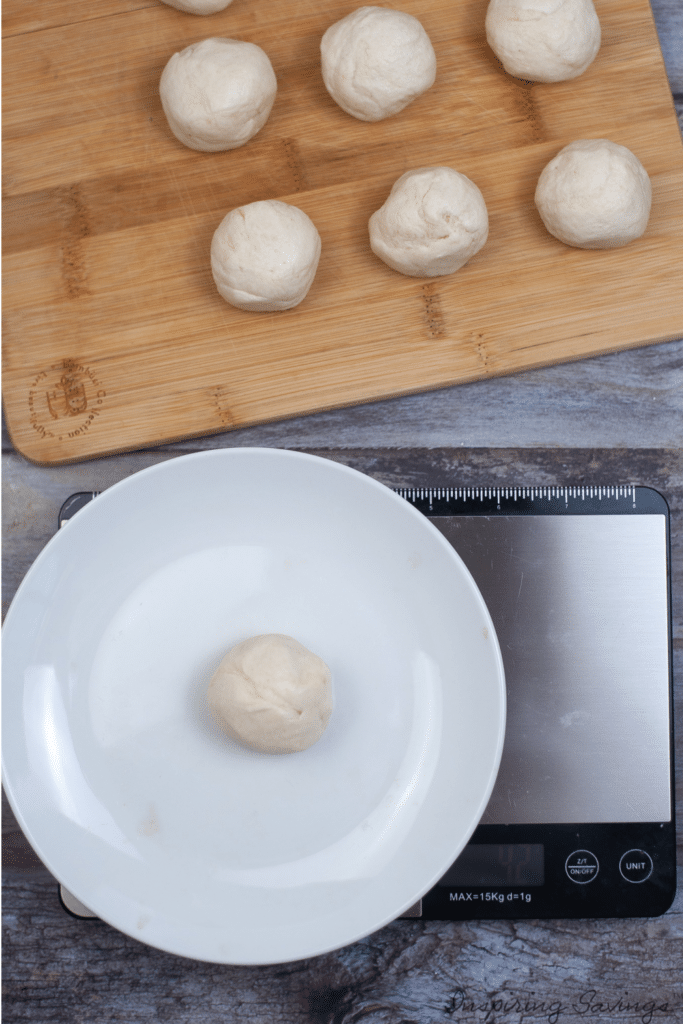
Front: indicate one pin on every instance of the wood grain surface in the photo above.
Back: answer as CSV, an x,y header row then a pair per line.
x,y
58,970
115,336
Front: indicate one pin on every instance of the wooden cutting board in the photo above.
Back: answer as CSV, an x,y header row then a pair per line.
x,y
115,336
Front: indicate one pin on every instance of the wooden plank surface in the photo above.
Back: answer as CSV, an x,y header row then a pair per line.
x,y
108,220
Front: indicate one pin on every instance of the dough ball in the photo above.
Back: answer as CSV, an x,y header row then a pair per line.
x,y
199,6
376,61
217,94
543,40
264,256
594,194
272,694
433,222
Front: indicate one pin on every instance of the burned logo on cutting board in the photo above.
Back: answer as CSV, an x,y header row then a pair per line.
x,y
66,400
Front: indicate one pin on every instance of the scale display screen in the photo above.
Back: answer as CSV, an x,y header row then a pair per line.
x,y
498,864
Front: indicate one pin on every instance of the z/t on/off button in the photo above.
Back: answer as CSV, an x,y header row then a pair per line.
x,y
581,866
636,866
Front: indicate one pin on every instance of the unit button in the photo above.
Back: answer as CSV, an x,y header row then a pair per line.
x,y
636,866
581,866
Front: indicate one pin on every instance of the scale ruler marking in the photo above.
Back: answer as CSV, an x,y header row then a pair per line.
x,y
583,493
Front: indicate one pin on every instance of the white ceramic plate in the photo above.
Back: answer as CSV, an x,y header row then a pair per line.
x,y
137,802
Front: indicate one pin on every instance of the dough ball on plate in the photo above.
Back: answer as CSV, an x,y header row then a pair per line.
x,y
432,223
272,694
217,94
543,40
376,61
264,256
199,6
595,194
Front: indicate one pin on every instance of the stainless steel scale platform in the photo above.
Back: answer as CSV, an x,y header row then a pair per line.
x,y
581,820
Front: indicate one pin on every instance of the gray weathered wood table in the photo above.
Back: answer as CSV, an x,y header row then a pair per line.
x,y
616,419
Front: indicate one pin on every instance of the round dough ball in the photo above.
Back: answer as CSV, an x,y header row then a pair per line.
x,y
272,694
264,256
199,6
594,194
432,223
376,61
543,40
217,94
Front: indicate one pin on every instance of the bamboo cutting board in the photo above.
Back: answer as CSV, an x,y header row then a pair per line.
x,y
115,336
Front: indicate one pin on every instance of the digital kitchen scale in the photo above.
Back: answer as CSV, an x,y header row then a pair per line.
x,y
581,820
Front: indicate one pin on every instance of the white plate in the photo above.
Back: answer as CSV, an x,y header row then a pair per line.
x,y
136,801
